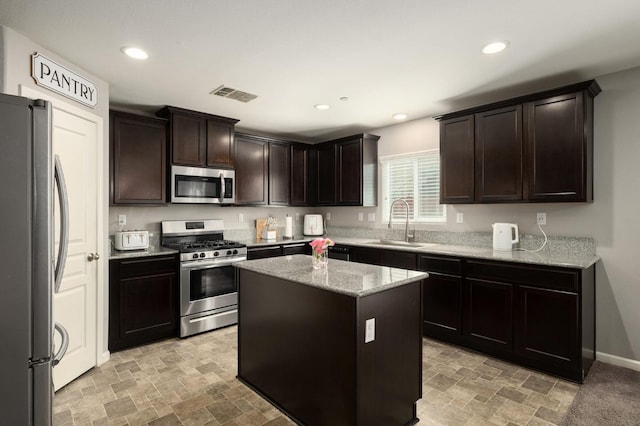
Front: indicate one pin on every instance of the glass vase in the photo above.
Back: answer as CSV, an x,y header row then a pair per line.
x,y
319,260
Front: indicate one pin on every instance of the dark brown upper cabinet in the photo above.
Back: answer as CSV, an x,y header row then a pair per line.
x,y
199,139
279,173
138,163
457,160
498,155
263,170
348,171
326,169
560,148
252,170
303,175
535,148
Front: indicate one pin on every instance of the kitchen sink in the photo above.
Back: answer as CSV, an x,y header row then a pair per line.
x,y
401,243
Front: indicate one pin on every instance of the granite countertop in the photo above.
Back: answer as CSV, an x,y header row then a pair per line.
x,y
153,250
568,259
352,279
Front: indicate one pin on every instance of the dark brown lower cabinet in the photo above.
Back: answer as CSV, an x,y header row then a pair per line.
x,y
263,252
364,255
296,248
536,315
278,250
442,297
488,315
303,349
398,259
539,316
143,300
548,328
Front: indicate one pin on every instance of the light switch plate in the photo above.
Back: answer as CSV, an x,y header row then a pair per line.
x,y
122,219
240,217
460,217
328,216
360,216
370,330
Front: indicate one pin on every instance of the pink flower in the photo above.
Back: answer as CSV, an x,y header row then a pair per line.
x,y
320,244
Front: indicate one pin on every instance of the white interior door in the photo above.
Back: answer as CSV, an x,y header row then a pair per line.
x,y
75,135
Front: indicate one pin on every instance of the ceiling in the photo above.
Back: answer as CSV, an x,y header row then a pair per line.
x,y
421,57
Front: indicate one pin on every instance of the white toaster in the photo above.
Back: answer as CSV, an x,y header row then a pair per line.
x,y
131,240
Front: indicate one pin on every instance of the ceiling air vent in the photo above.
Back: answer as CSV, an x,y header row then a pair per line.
x,y
228,92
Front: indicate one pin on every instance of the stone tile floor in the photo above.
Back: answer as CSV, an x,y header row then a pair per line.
x,y
192,382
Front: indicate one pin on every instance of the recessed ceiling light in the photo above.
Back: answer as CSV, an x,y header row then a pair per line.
x,y
495,47
344,98
134,52
400,116
321,106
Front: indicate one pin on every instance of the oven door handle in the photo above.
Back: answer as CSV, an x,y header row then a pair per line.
x,y
209,264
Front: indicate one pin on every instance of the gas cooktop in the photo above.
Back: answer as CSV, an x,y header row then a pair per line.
x,y
200,240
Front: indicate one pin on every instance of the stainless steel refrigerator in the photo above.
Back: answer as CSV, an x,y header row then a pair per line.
x,y
30,271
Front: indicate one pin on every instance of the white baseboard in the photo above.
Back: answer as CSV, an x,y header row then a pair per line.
x,y
619,361
104,357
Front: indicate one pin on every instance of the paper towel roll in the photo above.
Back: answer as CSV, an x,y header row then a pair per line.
x,y
288,227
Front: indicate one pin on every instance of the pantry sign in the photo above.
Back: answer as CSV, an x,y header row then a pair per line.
x,y
60,79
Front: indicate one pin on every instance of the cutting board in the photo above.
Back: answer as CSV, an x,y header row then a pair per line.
x,y
260,224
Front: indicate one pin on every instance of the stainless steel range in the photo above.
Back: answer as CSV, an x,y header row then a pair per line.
x,y
208,292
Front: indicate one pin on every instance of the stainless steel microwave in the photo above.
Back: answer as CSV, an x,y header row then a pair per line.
x,y
202,185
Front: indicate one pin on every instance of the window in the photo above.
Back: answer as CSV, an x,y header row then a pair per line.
x,y
416,179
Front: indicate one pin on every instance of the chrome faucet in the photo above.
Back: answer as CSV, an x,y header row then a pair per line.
x,y
407,236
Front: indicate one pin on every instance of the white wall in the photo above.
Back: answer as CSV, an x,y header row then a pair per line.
x,y
15,58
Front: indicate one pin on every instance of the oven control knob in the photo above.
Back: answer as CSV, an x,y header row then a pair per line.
x,y
235,252
215,253
195,255
229,253
202,255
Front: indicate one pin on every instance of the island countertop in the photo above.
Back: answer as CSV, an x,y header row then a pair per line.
x,y
350,278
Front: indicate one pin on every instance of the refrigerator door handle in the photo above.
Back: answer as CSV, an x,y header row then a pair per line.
x,y
64,223
63,345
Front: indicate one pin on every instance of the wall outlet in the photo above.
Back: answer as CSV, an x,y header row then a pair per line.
x,y
297,217
122,219
328,216
370,330
459,217
360,216
541,218
371,217
240,217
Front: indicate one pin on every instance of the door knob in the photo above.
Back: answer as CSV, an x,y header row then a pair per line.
x,y
93,256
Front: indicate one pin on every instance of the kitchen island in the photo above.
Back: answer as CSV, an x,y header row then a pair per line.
x,y
335,346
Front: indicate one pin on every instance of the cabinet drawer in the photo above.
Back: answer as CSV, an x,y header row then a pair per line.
x,y
544,277
264,252
443,265
147,265
398,259
298,248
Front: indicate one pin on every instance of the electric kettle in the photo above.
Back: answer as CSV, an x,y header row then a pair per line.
x,y
505,235
313,224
